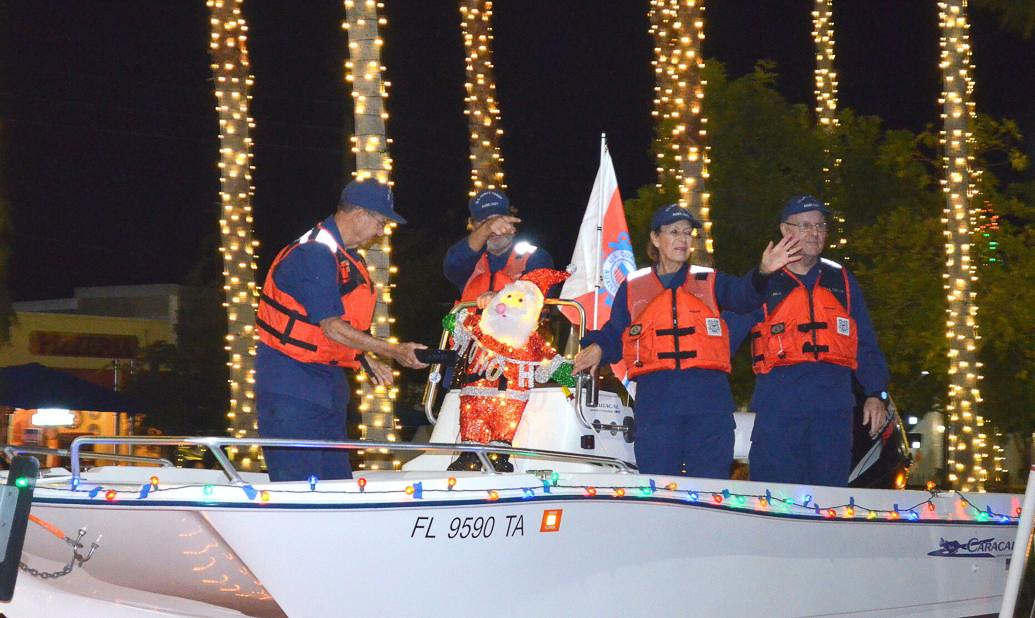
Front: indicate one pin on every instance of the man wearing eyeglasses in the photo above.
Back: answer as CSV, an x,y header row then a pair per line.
x,y
314,314
811,336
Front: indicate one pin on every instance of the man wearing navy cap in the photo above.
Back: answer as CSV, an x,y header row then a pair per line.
x,y
313,320
488,258
809,339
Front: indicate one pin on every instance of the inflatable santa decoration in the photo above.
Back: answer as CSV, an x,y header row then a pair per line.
x,y
505,357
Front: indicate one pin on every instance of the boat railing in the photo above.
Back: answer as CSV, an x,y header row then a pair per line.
x,y
215,446
1018,559
11,450
436,373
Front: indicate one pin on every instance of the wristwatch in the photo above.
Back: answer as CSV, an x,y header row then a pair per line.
x,y
883,396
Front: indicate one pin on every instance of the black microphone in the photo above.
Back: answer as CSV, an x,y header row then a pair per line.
x,y
432,356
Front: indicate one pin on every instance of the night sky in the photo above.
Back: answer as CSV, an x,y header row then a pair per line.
x,y
111,134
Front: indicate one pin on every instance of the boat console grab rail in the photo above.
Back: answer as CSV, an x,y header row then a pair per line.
x,y
10,450
215,444
431,388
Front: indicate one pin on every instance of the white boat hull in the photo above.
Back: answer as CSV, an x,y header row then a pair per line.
x,y
337,551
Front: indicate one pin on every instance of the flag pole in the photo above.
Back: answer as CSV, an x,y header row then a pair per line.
x,y
600,234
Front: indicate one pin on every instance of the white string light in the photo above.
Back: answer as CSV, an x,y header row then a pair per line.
x,y
826,98
363,71
967,441
677,27
481,106
230,69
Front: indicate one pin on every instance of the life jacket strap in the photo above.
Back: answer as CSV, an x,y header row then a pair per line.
x,y
284,337
291,313
808,326
678,355
676,332
809,348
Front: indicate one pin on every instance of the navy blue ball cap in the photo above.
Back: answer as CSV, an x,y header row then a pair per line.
x,y
486,204
802,203
670,214
369,194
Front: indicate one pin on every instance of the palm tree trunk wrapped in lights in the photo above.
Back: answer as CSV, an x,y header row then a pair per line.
x,y
229,53
363,70
677,27
967,441
482,108
826,97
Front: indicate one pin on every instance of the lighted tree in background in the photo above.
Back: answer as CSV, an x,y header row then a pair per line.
x,y
481,106
677,27
363,70
232,82
966,432
825,75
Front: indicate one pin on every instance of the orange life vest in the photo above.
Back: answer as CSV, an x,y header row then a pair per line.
x,y
674,329
483,280
806,327
282,320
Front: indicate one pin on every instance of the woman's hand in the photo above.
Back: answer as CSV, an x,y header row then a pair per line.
x,y
588,358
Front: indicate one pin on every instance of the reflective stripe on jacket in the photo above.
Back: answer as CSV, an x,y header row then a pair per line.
x,y
282,321
678,328
805,327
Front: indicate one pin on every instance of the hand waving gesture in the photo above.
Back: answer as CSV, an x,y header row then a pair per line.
x,y
779,255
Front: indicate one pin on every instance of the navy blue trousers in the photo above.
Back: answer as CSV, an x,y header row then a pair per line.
x,y
812,447
283,416
699,445
684,423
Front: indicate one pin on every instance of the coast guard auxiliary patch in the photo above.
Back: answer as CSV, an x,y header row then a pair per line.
x,y
844,327
635,330
714,327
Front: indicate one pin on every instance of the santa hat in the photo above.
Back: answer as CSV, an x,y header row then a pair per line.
x,y
545,278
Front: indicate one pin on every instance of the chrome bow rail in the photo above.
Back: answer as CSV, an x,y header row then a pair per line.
x,y
215,445
11,450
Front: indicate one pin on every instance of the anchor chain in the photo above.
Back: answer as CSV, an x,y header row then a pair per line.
x,y
78,559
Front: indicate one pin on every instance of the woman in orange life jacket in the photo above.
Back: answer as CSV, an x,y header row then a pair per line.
x,y
314,311
487,259
809,340
665,324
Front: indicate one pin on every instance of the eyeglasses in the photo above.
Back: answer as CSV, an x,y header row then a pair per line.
x,y
804,228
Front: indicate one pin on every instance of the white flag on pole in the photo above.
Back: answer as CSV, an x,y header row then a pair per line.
x,y
603,256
